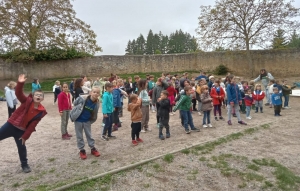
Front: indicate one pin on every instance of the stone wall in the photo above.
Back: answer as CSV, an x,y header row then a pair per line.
x,y
281,63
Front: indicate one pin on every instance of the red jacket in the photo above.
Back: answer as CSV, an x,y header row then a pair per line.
x,y
19,115
214,94
258,95
248,100
64,102
171,90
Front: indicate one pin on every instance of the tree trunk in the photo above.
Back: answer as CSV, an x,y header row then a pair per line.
x,y
249,58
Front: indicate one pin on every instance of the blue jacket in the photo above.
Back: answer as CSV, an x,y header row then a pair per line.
x,y
35,87
233,94
107,103
276,99
117,97
200,77
279,88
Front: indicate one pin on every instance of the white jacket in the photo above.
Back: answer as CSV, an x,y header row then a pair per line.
x,y
11,98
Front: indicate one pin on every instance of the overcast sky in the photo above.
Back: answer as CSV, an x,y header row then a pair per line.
x,y
117,21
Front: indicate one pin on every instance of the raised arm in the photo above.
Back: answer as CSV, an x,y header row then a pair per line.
x,y
19,88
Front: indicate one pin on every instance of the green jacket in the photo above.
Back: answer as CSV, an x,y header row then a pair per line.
x,y
287,90
184,103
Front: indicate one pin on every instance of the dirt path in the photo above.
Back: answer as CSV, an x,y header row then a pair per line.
x,y
55,162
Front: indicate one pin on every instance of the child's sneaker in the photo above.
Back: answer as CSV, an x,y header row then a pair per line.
x,y
103,137
143,131
216,118
221,118
69,135
161,137
139,140
242,123
95,152
248,117
82,154
187,131
199,113
168,135
148,129
134,142
65,137
111,137
229,122
209,125
26,169
195,129
204,126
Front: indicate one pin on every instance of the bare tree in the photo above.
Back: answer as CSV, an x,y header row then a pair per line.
x,y
240,24
38,24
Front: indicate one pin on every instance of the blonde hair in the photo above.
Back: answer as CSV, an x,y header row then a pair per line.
x,y
114,83
96,88
57,82
11,84
256,85
204,87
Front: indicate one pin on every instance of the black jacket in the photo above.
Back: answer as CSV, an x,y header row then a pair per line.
x,y
163,108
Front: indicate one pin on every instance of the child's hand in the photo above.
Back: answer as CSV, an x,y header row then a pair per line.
x,y
23,141
22,78
158,99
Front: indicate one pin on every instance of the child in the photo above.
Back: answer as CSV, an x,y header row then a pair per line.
x,y
78,87
24,120
160,86
198,93
107,110
286,91
85,113
143,95
184,105
163,112
270,88
194,101
135,84
277,102
64,108
218,94
258,96
252,87
11,98
171,96
117,93
150,87
211,82
36,85
234,100
206,105
136,117
248,102
56,90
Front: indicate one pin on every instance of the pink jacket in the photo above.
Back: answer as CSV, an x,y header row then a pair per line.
x,y
64,101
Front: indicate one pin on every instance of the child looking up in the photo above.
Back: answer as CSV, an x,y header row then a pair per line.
x,y
143,95
107,110
218,94
248,102
136,117
64,108
277,102
184,105
11,98
163,113
234,100
24,120
206,106
258,96
85,113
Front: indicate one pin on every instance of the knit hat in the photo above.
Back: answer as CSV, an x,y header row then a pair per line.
x,y
210,77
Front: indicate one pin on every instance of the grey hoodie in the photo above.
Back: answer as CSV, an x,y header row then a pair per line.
x,y
78,108
157,91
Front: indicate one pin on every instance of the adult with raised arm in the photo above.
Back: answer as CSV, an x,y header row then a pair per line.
x,y
265,78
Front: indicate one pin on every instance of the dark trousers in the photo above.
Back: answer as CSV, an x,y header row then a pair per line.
x,y
157,116
194,101
73,96
55,97
164,122
11,110
217,108
277,109
135,130
108,125
115,118
8,130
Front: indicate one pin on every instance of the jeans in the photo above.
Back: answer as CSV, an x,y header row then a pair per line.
x,y
206,115
11,110
187,119
236,108
115,118
8,130
267,95
108,125
270,97
248,109
286,100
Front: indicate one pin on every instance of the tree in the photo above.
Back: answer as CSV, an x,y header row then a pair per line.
x,y
140,44
294,40
42,24
129,49
163,46
239,24
279,41
150,43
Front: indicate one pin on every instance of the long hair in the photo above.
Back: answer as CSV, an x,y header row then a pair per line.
x,y
264,74
78,83
141,85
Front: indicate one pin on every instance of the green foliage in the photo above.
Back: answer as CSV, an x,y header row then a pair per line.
x,y
53,53
279,41
294,41
221,70
168,158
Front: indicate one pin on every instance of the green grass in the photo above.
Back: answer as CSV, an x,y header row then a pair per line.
x,y
168,158
51,159
185,151
102,183
1,93
253,167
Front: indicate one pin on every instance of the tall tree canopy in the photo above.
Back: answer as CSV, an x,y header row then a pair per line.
x,y
41,24
239,24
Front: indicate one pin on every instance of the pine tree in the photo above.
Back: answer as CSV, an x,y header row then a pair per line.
x,y
279,41
128,49
140,44
294,41
149,44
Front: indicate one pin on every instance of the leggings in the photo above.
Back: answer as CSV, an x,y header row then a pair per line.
x,y
194,101
55,97
135,130
217,108
171,108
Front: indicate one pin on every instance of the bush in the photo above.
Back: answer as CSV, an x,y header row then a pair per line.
x,y
53,53
221,70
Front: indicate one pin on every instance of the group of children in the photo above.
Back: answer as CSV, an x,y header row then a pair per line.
x,y
165,96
